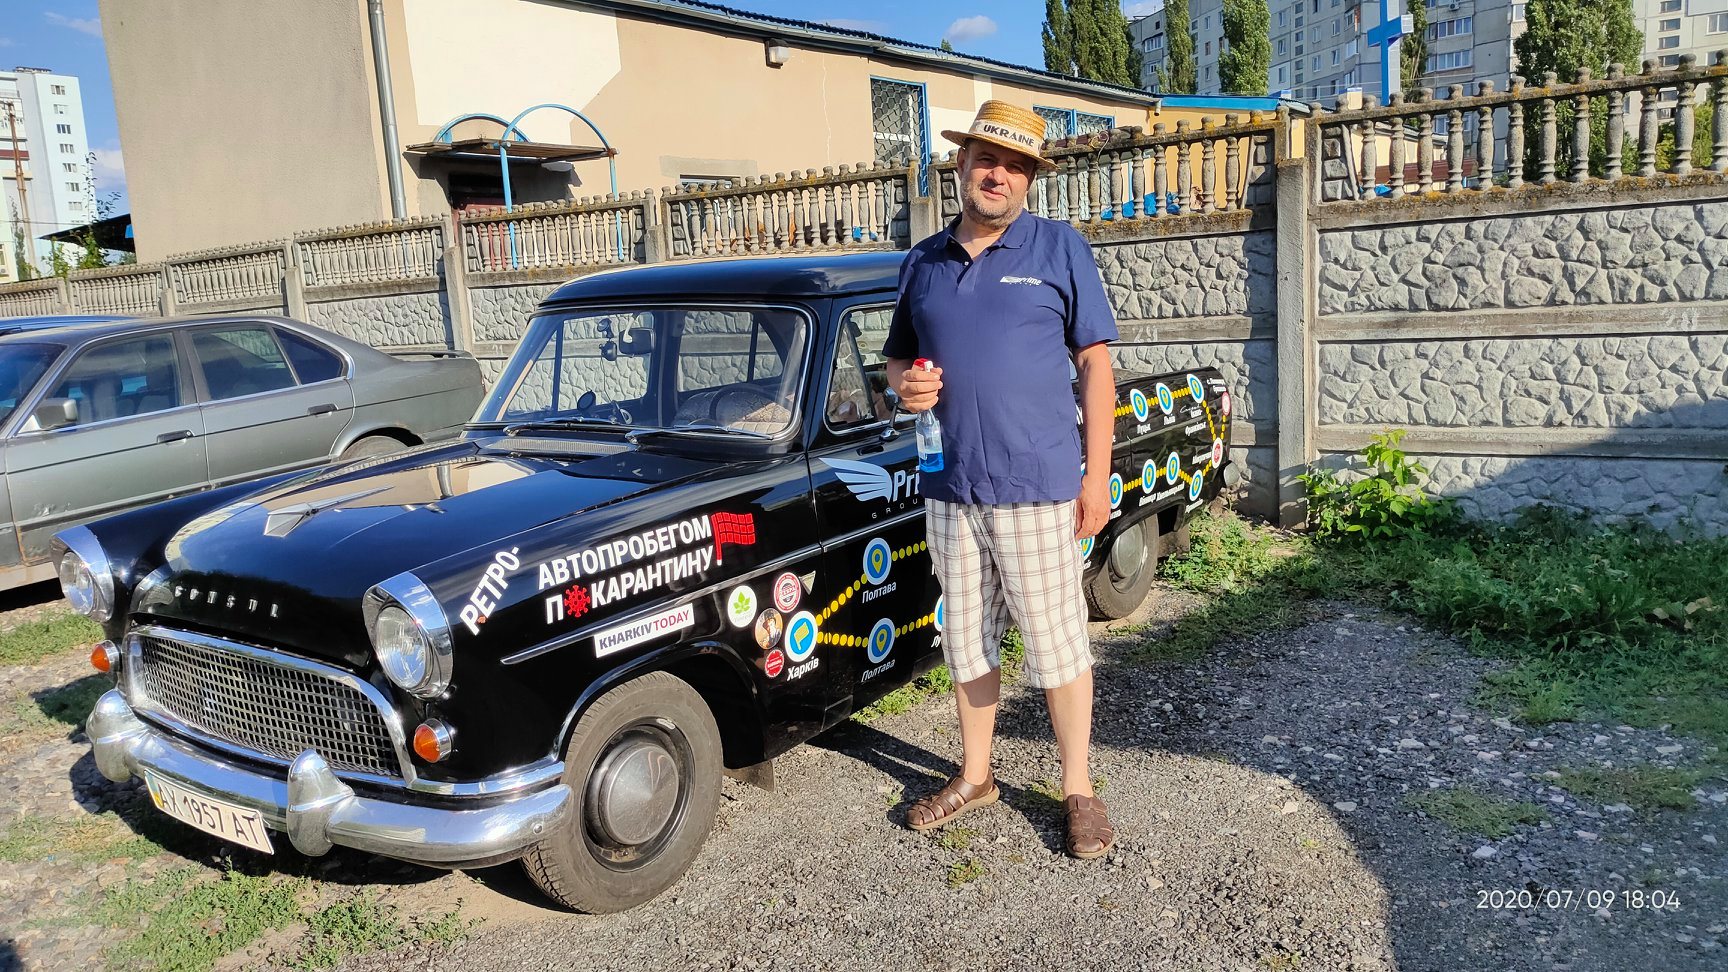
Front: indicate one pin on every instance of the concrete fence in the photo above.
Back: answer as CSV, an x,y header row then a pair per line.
x,y
1547,329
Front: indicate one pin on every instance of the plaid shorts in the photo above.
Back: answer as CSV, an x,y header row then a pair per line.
x,y
1016,560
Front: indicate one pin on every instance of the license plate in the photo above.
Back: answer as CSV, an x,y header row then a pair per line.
x,y
225,820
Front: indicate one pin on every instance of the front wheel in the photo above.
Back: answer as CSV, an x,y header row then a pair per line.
x,y
1121,583
645,763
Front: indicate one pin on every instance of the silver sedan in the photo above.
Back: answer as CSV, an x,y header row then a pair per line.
x,y
100,417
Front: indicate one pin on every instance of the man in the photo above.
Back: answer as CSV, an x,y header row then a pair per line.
x,y
1000,302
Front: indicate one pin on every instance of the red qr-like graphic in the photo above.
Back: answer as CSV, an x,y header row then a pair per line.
x,y
738,528
576,601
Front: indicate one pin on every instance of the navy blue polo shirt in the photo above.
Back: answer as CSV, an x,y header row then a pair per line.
x,y
1002,328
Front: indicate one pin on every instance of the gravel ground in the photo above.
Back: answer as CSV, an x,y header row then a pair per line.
x,y
1259,797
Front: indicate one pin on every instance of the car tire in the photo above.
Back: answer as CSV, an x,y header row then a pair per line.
x,y
634,830
1122,580
370,446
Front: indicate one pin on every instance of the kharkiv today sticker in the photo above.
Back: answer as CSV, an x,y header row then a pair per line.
x,y
741,606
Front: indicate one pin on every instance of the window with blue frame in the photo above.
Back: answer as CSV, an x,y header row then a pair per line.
x,y
1063,122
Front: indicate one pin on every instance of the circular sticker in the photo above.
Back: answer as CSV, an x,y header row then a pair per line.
x,y
1142,408
1166,400
1224,403
787,591
1194,484
1172,468
1217,452
1195,389
769,624
940,613
774,663
881,640
1115,490
1086,549
741,606
877,560
1148,476
801,636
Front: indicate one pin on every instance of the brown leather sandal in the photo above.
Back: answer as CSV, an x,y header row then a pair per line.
x,y
954,798
1089,832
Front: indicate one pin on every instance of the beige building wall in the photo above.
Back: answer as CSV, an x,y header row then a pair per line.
x,y
243,121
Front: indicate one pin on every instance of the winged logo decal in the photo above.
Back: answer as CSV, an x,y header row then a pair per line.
x,y
866,480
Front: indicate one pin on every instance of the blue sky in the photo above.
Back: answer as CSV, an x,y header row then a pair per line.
x,y
65,36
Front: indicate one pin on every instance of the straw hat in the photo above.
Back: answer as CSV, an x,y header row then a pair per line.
x,y
1009,126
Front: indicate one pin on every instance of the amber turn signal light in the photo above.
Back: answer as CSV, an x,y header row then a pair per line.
x,y
433,740
104,657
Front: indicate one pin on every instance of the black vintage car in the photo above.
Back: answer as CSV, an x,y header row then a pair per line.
x,y
682,535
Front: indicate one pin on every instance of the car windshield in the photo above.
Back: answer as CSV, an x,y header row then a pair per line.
x,y
21,366
700,369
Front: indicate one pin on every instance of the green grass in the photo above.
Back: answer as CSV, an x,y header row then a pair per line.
x,y
956,838
33,641
964,872
1642,787
54,713
1618,621
1470,812
360,923
88,839
179,923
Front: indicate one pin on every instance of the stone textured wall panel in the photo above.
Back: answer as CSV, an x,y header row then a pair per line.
x,y
1259,466
1202,276
1640,381
384,322
1651,254
501,313
1669,493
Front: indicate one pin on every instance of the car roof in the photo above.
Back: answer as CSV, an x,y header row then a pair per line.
x,y
43,322
781,276
78,335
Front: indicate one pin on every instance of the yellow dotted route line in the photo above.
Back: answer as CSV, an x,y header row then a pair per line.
x,y
857,585
854,641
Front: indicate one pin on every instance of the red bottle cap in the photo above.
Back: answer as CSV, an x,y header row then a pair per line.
x,y
923,363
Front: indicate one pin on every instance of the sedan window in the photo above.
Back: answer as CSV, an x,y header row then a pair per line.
x,y
311,362
857,394
240,361
123,378
21,367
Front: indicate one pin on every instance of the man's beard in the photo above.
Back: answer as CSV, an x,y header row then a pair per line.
x,y
973,201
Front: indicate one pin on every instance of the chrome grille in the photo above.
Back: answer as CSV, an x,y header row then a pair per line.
x,y
267,706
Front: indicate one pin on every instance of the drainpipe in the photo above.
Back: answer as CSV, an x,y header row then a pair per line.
x,y
387,111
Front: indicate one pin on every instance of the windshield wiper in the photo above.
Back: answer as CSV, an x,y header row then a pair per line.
x,y
544,425
635,435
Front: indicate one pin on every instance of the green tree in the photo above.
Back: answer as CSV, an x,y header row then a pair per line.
x,y
1563,36
945,45
22,264
1413,50
1088,39
1058,38
1247,55
1179,75
58,265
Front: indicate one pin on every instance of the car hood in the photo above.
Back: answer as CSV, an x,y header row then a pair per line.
x,y
289,566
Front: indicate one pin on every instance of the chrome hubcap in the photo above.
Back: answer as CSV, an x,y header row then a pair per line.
x,y
634,791
1128,553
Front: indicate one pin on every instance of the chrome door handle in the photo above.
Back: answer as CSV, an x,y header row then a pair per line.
x,y
321,409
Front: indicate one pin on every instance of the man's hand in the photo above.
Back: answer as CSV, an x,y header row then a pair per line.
x,y
1093,509
916,387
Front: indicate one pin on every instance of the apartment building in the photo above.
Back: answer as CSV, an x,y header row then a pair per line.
x,y
47,142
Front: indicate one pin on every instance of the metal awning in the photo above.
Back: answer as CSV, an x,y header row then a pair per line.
x,y
486,149
113,233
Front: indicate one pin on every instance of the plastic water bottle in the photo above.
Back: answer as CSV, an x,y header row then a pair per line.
x,y
929,432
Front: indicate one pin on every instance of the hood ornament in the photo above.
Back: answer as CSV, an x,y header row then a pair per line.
x,y
282,522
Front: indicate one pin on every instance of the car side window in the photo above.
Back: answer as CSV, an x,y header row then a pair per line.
x,y
312,362
121,379
857,393
242,360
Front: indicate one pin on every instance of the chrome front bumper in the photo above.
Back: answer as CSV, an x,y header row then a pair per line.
x,y
316,809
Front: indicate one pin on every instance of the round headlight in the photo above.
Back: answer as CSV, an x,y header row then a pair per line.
x,y
78,583
403,650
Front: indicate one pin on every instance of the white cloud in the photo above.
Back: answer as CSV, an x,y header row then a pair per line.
x,y
868,26
5,42
83,25
969,29
110,170
1135,9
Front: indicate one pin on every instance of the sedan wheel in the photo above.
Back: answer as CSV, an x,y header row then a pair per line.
x,y
646,759
1121,583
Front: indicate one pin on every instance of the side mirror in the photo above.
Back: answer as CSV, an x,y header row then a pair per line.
x,y
55,413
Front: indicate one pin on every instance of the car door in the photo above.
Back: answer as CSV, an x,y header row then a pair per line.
x,y
260,418
882,607
138,438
